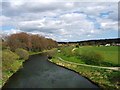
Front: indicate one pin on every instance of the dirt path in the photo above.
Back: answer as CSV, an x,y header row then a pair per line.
x,y
111,68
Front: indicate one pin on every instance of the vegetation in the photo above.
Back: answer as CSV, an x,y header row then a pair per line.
x,y
10,63
98,42
92,55
29,42
106,79
67,51
51,53
0,65
8,58
101,56
109,54
23,54
16,48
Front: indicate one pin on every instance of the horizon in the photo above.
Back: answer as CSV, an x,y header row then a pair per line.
x,y
61,21
89,40
63,41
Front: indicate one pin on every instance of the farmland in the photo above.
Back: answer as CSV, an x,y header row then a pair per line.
x,y
87,60
73,58
108,54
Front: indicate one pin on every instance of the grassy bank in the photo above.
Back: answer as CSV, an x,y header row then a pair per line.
x,y
92,55
12,62
106,79
33,53
100,56
15,50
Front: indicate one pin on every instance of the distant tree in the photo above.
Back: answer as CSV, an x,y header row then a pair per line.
x,y
19,40
29,42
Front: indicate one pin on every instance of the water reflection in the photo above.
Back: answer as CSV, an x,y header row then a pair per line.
x,y
38,72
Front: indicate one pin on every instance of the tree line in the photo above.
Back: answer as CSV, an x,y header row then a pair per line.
x,y
28,42
113,42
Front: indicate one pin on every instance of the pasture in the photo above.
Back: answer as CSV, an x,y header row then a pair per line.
x,y
107,54
110,53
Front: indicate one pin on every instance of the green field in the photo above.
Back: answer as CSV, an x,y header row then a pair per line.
x,y
106,79
108,54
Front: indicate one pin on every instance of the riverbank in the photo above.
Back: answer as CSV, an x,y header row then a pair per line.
x,y
38,72
16,66
107,79
109,68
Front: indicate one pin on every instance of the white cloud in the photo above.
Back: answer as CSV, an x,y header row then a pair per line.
x,y
4,20
108,24
10,31
60,20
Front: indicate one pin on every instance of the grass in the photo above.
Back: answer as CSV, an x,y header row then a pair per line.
x,y
17,64
109,55
7,73
106,79
66,54
33,53
72,59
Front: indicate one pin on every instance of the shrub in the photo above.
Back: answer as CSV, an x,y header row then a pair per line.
x,y
77,52
23,54
51,53
77,46
91,57
67,51
8,59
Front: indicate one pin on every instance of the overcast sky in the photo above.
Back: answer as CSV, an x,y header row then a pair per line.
x,y
61,21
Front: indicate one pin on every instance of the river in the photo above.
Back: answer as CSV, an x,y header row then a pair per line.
x,y
38,72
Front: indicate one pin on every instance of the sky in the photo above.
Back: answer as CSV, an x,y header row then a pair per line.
x,y
66,20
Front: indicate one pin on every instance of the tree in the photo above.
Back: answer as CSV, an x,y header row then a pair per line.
x,y
29,42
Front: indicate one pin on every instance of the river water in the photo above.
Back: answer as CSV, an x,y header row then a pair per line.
x,y
38,72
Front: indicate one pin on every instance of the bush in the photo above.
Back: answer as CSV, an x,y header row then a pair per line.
x,y
8,59
51,53
77,46
67,51
77,52
91,57
23,54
